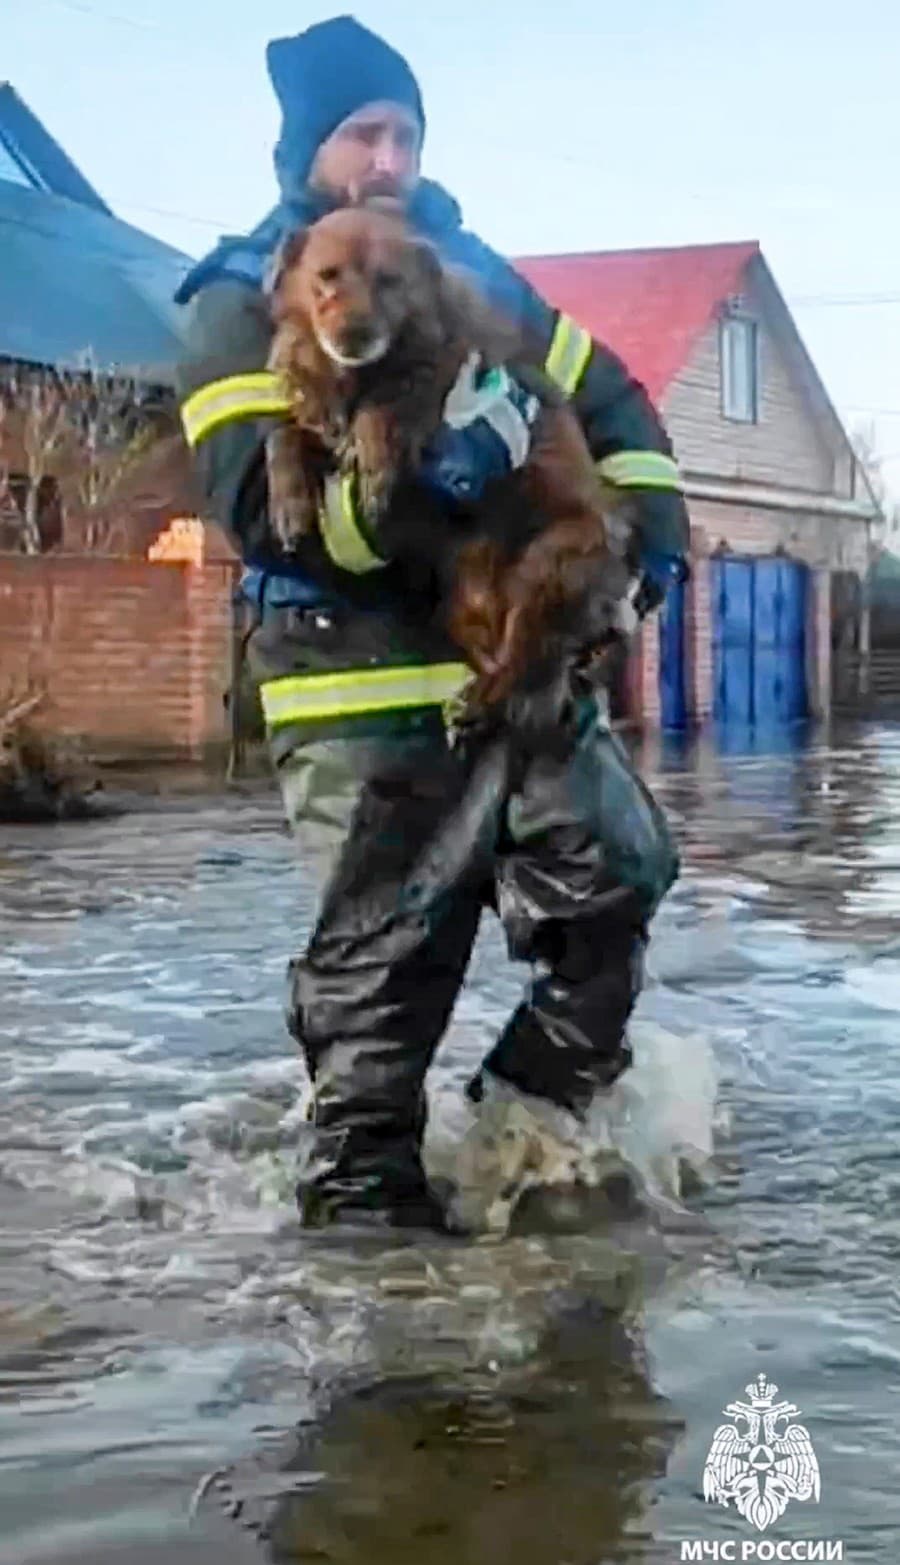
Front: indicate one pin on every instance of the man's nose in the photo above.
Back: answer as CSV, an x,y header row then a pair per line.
x,y
390,156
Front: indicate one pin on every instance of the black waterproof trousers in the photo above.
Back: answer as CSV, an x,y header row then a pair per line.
x,y
407,837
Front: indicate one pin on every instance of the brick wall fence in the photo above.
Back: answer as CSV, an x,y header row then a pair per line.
x,y
134,656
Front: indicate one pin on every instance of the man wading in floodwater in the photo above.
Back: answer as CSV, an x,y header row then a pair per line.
x,y
581,856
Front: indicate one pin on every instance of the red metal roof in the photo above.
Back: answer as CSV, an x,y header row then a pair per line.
x,y
650,306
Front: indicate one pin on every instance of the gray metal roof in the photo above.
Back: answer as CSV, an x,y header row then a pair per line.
x,y
77,283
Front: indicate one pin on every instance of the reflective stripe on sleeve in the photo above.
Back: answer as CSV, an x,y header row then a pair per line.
x,y
569,353
301,698
227,401
640,470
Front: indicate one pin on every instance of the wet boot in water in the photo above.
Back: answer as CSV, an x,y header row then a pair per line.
x,y
527,1164
368,1189
372,1212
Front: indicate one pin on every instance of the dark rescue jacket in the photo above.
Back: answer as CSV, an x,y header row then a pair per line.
x,y
229,402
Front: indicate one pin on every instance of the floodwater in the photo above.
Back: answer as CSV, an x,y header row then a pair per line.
x,y
549,1399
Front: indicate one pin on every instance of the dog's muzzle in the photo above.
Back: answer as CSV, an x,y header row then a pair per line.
x,y
358,346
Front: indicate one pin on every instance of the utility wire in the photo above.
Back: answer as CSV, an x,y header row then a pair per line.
x,y
838,301
184,217
102,16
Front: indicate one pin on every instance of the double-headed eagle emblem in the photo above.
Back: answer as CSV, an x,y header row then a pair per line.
x,y
758,1468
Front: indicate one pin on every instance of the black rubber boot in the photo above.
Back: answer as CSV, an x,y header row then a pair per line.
x,y
323,1207
569,1039
363,1182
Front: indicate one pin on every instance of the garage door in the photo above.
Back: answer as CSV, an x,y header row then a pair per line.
x,y
759,639
672,691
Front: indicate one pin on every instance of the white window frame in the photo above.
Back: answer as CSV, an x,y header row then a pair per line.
x,y
744,407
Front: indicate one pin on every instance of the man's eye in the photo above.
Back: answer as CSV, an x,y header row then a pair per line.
x,y
388,279
329,274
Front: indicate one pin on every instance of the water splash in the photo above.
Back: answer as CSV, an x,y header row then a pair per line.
x,y
655,1125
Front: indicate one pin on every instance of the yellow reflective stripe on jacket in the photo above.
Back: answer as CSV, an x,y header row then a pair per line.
x,y
299,698
569,353
342,534
640,470
227,401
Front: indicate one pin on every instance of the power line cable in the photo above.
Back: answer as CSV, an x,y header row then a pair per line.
x,y
184,217
843,301
103,16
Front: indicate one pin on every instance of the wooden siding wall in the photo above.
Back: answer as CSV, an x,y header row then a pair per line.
x,y
788,445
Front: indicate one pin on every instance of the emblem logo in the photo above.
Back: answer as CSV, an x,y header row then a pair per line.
x,y
758,1466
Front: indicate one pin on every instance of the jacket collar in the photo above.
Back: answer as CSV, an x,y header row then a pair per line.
x,y
245,257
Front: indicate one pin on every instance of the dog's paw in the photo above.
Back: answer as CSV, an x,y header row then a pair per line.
x,y
373,490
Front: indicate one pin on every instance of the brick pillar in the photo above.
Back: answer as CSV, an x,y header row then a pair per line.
x,y
650,706
818,643
195,670
634,677
698,631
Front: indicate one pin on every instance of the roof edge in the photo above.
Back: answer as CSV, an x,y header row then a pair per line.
x,y
815,386
749,247
31,144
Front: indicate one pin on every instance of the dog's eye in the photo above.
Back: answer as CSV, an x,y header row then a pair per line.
x,y
329,274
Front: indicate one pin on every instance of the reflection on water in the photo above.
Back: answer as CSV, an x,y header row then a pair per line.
x,y
558,1466
540,1400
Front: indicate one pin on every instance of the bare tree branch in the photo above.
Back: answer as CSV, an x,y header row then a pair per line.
x,y
91,432
13,713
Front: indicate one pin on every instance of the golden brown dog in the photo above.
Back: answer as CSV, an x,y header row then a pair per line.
x,y
371,333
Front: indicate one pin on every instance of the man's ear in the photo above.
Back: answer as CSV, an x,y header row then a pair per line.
x,y
286,255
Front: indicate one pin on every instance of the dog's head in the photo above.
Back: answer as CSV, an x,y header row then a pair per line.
x,y
356,279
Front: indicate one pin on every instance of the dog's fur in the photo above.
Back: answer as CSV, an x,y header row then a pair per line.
x,y
370,334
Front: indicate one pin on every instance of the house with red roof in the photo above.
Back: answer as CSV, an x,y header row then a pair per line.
x,y
780,507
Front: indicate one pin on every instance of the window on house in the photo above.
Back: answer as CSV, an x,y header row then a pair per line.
x,y
740,369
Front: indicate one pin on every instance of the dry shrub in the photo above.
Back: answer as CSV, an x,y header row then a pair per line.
x,y
43,776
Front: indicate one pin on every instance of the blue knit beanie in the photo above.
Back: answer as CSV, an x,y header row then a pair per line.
x,y
324,75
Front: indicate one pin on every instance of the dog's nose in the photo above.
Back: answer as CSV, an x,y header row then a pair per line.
x,y
357,338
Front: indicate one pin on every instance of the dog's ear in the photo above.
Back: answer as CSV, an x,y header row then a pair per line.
x,y
286,254
466,316
428,264
438,315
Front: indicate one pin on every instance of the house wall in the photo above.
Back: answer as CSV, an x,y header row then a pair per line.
x,y
792,449
787,446
816,540
133,657
822,541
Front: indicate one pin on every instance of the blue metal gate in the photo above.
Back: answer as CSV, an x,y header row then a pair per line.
x,y
759,640
672,692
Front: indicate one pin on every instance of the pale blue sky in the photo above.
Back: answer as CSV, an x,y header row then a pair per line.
x,y
558,127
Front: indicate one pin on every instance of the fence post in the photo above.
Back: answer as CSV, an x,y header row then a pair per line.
x,y
237,643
